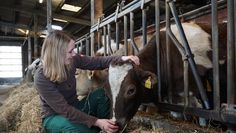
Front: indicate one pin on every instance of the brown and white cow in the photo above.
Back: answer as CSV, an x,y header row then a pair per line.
x,y
131,85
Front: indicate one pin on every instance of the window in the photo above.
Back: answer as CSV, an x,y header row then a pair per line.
x,y
10,61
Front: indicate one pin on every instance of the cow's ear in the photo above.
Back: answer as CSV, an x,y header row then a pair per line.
x,y
148,79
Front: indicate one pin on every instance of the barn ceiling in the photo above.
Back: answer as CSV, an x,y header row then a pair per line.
x,y
18,16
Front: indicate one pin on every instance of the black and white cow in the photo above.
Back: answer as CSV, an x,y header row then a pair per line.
x,y
131,85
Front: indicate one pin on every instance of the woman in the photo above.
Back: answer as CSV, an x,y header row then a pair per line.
x,y
55,82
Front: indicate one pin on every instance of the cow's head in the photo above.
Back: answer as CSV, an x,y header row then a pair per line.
x,y
127,83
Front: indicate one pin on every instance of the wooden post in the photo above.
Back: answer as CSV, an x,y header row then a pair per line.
x,y
49,15
96,12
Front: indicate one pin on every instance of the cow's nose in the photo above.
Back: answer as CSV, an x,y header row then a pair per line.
x,y
121,123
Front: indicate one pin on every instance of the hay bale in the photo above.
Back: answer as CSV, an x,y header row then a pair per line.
x,y
20,112
30,120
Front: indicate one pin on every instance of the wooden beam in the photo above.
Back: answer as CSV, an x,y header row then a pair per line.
x,y
20,26
12,38
44,14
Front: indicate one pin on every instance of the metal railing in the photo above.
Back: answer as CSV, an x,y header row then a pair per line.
x,y
225,112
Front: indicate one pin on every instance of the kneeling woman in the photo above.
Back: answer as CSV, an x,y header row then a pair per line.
x,y
55,82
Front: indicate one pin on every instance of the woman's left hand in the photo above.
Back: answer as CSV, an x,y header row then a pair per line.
x,y
135,59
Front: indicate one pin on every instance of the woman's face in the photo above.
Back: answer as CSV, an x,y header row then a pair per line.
x,y
70,52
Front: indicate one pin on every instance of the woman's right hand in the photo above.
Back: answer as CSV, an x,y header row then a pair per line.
x,y
107,125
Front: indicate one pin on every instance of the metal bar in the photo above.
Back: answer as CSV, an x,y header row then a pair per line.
x,y
132,32
77,46
234,38
109,39
92,36
117,35
126,10
29,51
105,40
99,39
185,64
230,53
82,37
169,79
177,44
194,13
80,45
87,47
201,11
215,54
223,115
36,54
125,34
186,83
49,15
144,26
157,28
189,54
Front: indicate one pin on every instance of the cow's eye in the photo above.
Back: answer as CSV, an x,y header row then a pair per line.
x,y
131,91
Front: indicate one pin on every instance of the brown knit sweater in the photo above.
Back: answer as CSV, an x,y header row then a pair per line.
x,y
57,98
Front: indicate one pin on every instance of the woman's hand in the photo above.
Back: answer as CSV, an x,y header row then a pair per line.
x,y
107,125
135,59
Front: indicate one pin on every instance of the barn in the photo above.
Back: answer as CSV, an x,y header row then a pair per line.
x,y
185,81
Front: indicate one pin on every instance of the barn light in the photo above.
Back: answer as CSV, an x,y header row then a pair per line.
x,y
70,8
56,27
61,20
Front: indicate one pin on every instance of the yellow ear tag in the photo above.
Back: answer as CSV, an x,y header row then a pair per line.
x,y
148,83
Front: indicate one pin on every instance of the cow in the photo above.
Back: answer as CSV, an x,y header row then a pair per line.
x,y
131,85
88,81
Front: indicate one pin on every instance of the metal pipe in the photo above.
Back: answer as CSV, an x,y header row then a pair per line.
x,y
230,53
169,79
224,115
36,54
144,26
109,39
92,36
177,44
29,51
105,40
99,39
189,54
186,84
125,34
117,35
132,32
215,54
81,46
185,65
157,27
126,10
87,47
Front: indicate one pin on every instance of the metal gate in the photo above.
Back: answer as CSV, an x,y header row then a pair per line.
x,y
225,112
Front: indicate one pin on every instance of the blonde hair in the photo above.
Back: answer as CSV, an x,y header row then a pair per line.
x,y
53,55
